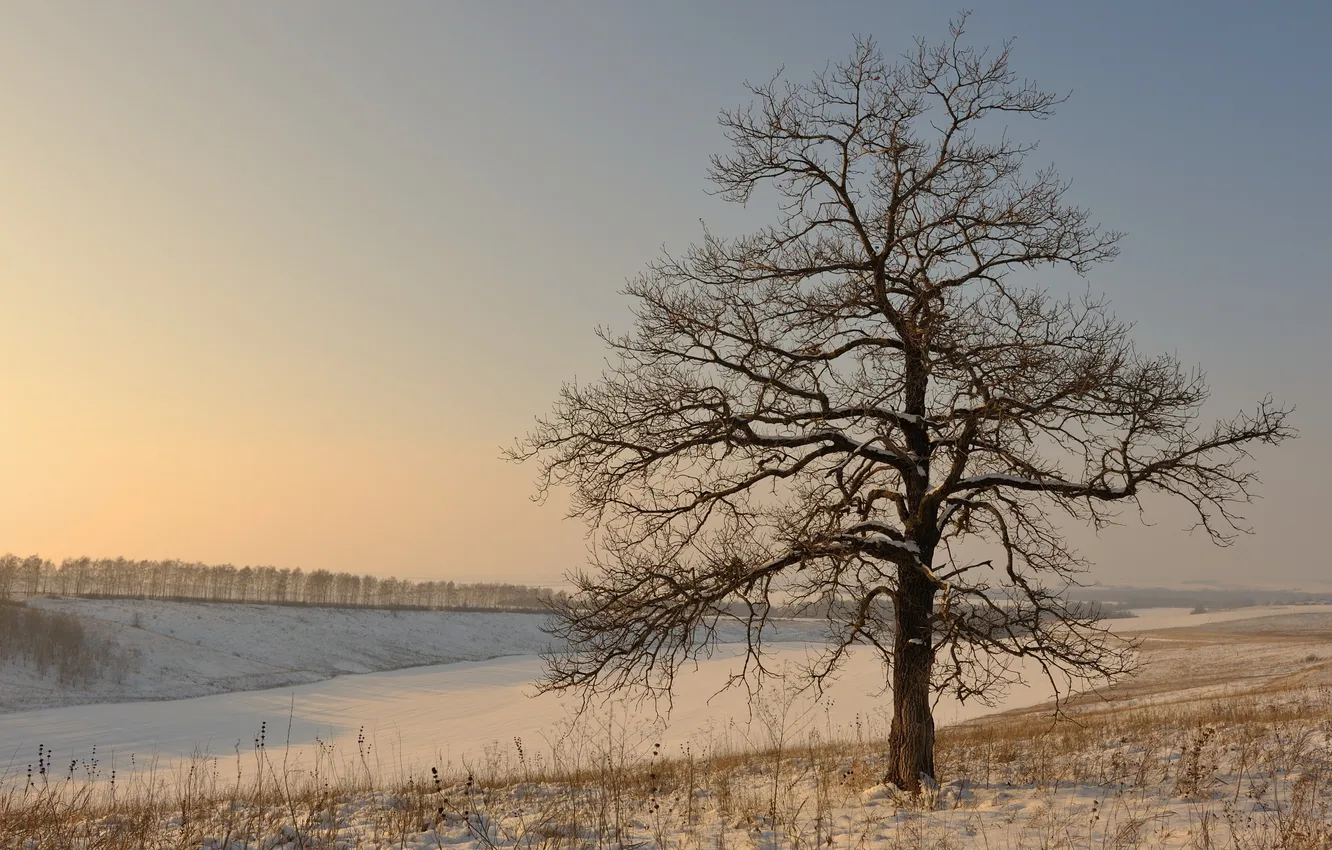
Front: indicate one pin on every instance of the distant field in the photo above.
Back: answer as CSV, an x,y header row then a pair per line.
x,y
1224,740
187,649
171,650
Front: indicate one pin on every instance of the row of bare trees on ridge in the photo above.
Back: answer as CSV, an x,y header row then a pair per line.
x,y
124,578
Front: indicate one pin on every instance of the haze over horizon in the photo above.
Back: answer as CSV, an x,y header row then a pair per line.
x,y
279,281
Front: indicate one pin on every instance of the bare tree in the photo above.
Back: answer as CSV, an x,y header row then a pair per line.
x,y
861,407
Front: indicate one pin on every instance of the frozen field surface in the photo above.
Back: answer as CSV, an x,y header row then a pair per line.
x,y
1224,739
448,713
188,649
1153,619
441,714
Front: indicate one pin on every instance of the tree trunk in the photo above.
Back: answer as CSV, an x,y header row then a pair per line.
x,y
911,739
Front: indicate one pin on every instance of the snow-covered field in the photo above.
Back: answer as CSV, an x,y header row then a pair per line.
x,y
435,715
278,668
1223,740
1155,619
189,649
247,667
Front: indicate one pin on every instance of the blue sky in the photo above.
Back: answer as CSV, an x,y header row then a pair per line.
x,y
279,279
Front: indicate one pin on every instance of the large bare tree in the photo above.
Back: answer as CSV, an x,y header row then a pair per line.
x,y
863,410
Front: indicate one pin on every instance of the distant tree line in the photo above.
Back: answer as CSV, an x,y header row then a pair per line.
x,y
1205,597
122,578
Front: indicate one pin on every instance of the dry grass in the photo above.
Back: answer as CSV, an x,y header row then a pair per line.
x,y
1236,772
1181,767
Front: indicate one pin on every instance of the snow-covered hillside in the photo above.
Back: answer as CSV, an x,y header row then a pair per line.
x,y
187,649
190,649
1224,740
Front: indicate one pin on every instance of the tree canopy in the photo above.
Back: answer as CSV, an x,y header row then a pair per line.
x,y
869,407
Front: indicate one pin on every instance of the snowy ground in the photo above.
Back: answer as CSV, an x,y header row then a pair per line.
x,y
1227,654
1156,619
438,715
275,668
188,649
1223,740
448,713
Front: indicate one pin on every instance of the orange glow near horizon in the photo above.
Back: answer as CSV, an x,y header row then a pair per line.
x,y
278,281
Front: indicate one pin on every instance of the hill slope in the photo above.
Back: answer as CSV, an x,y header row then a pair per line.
x,y
187,649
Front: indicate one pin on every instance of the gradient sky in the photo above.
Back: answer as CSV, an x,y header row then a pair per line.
x,y
278,280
